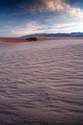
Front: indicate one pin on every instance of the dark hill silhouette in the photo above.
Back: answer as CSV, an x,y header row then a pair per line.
x,y
73,34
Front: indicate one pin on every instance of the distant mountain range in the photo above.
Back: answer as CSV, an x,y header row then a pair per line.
x,y
73,34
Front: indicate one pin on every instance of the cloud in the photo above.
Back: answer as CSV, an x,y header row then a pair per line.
x,y
69,27
36,27
41,16
28,28
60,6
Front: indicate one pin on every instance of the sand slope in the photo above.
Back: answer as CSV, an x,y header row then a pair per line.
x,y
16,40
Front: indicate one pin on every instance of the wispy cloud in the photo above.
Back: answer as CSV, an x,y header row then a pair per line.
x,y
69,27
36,27
28,28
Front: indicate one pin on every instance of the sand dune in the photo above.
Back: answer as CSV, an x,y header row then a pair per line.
x,y
17,40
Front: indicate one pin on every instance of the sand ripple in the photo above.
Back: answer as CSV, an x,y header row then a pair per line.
x,y
41,82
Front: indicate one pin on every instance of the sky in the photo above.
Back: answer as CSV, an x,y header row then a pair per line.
x,y
22,17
